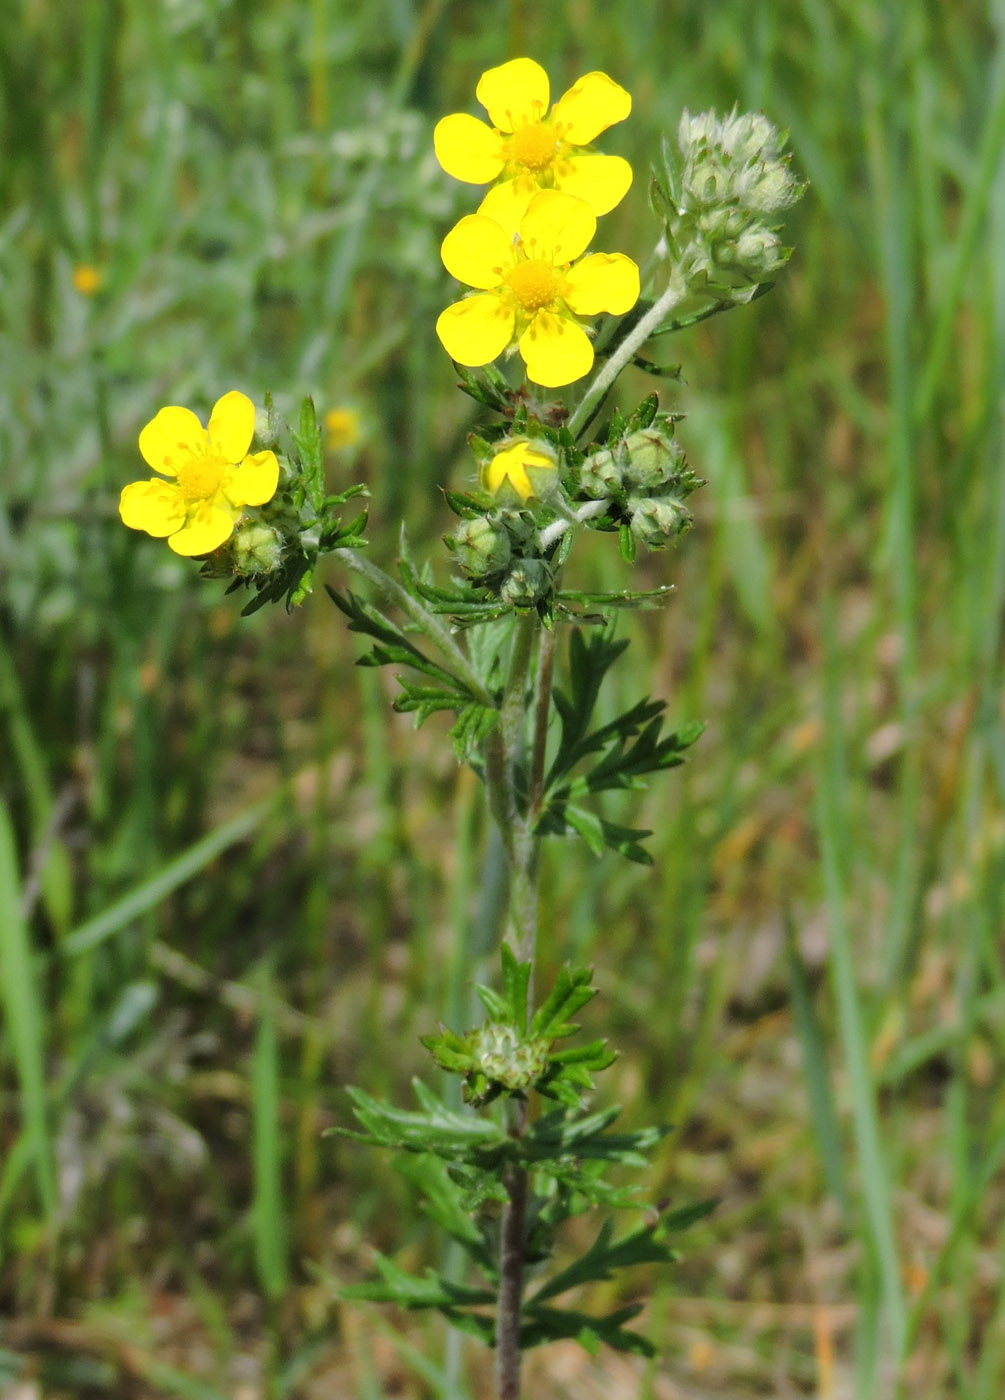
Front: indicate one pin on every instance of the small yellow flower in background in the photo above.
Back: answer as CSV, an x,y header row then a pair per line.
x,y
213,477
510,466
528,148
87,279
529,293
342,428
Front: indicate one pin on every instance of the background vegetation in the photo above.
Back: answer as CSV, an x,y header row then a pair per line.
x,y
229,877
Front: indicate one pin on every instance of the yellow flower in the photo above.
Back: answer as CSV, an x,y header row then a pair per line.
x,y
530,294
342,428
86,279
510,465
213,477
528,148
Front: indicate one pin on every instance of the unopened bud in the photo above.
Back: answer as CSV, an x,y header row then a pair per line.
x,y
655,521
480,546
600,475
507,1059
527,583
654,457
256,548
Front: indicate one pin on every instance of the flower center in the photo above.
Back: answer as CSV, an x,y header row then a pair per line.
x,y
534,147
534,283
200,476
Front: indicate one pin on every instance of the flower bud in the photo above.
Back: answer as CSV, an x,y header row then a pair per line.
x,y
527,583
256,548
523,468
481,546
654,457
600,475
506,1059
655,521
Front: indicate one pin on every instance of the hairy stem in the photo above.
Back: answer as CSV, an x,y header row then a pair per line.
x,y
430,624
511,1259
584,411
504,750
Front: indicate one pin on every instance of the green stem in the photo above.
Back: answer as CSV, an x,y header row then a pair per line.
x,y
584,412
430,624
503,752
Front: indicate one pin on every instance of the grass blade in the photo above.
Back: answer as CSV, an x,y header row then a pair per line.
x,y
170,877
23,1013
268,1220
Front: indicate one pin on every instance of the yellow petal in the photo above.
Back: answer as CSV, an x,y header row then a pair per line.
x,y
555,350
206,529
515,93
231,425
602,282
477,251
603,181
511,465
170,439
557,226
474,331
155,506
507,202
468,149
254,482
590,107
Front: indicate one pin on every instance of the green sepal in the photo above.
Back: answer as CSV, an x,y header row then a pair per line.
x,y
626,541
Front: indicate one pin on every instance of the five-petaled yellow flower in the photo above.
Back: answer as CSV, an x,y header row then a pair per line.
x,y
529,292
212,476
510,465
529,148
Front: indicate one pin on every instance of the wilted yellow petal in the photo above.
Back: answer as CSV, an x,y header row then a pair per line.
x,y
206,530
507,202
555,350
590,107
558,226
254,482
475,331
514,93
232,425
155,506
468,149
603,181
602,282
170,438
477,251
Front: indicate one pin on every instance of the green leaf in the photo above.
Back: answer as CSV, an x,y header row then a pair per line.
x,y
516,981
409,1291
311,454
556,1324
604,1256
571,991
440,1202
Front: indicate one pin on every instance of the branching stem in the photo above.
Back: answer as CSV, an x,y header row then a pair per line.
x,y
584,411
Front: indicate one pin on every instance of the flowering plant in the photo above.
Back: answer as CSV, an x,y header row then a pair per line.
x,y
484,646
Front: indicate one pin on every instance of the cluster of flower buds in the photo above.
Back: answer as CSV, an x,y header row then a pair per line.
x,y
719,197
644,477
496,545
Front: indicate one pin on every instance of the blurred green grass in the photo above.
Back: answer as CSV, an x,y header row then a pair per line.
x,y
234,883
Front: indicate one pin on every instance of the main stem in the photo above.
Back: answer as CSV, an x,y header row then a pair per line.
x,y
522,847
